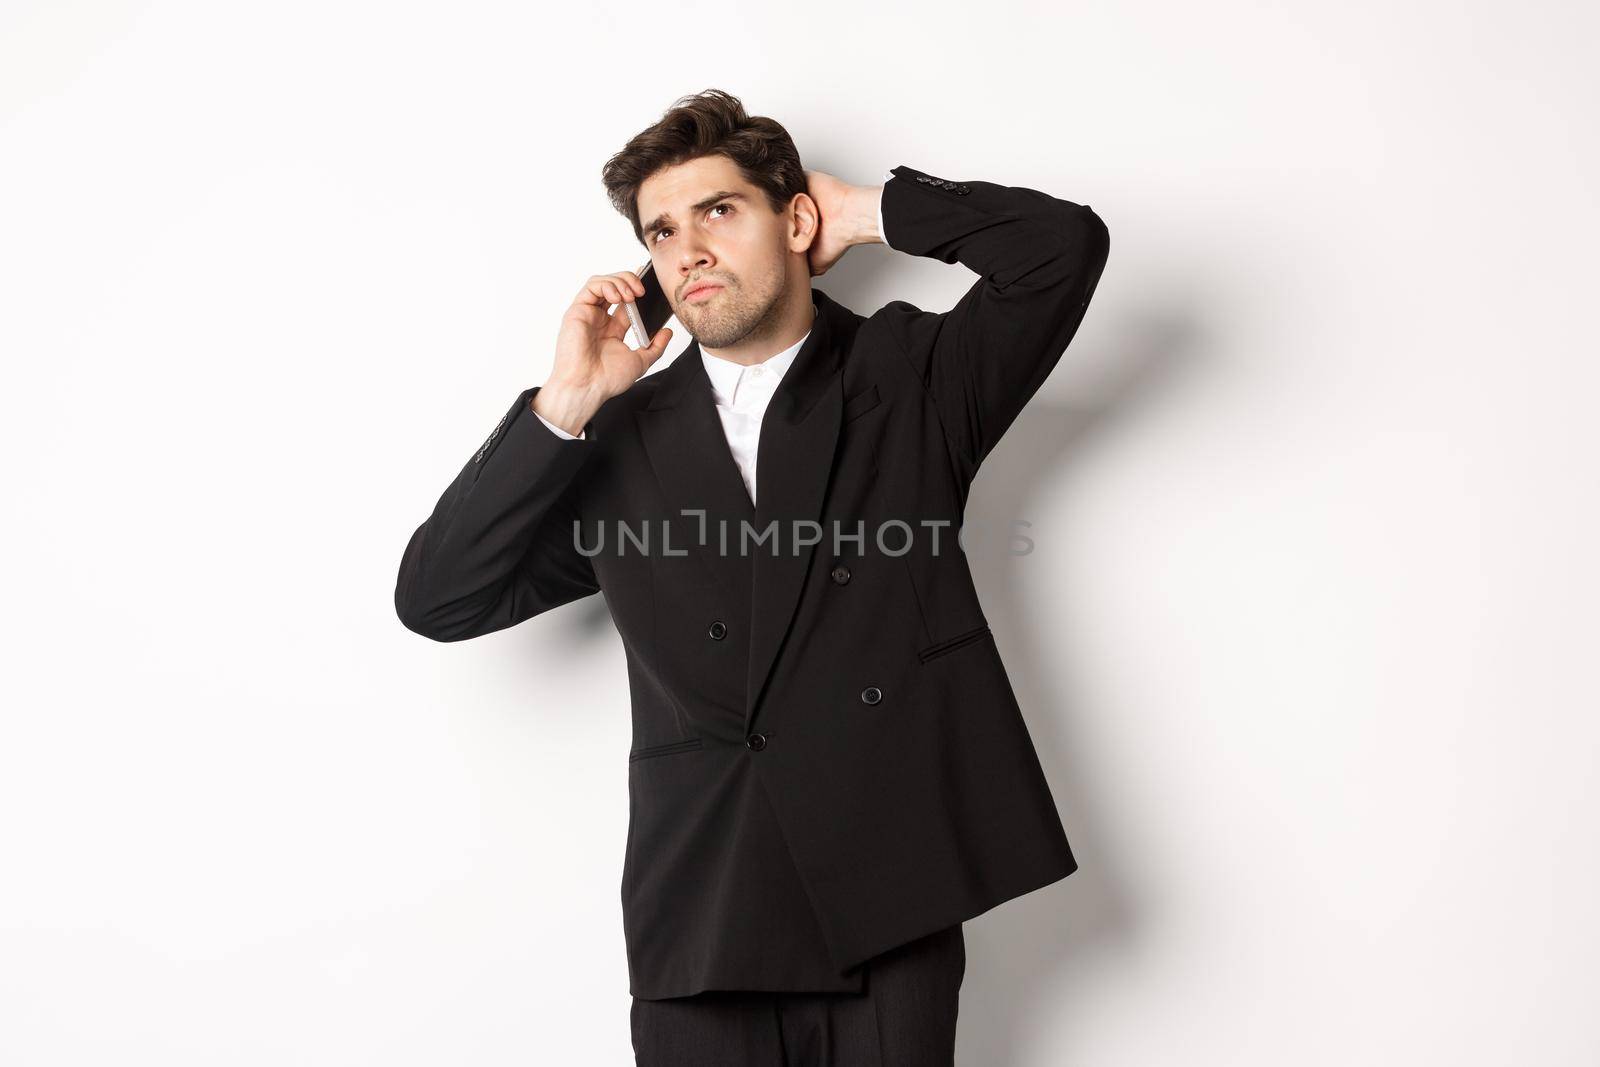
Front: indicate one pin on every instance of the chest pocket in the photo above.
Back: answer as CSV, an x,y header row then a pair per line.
x,y
861,403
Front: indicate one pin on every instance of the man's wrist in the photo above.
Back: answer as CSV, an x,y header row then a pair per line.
x,y
862,209
566,406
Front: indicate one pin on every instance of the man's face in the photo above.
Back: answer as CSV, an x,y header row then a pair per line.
x,y
703,222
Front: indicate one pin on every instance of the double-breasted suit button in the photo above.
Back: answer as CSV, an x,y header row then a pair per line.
x,y
718,630
871,695
841,574
756,742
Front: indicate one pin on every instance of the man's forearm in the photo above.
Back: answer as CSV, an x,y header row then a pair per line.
x,y
862,215
568,407
1038,259
499,545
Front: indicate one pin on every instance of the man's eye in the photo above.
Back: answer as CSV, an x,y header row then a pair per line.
x,y
655,238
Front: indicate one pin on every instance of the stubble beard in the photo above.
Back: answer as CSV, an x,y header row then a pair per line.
x,y
731,316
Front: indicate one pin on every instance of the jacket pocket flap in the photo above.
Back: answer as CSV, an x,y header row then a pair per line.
x,y
861,403
664,750
950,644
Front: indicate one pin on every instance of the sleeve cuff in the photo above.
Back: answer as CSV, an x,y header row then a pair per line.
x,y
888,175
558,431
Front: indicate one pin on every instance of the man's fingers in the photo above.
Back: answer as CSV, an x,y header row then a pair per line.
x,y
604,289
657,346
634,284
623,285
617,323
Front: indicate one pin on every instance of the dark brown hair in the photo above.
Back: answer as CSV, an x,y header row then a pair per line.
x,y
708,123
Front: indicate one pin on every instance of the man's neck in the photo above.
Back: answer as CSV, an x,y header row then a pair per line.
x,y
749,352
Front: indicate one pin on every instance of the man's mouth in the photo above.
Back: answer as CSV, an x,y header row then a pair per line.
x,y
704,289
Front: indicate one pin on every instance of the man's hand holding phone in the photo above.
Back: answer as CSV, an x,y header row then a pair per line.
x,y
594,361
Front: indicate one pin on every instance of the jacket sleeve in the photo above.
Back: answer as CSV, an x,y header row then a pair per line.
x,y
500,546
1038,259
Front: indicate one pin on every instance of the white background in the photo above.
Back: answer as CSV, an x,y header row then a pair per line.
x,y
1306,641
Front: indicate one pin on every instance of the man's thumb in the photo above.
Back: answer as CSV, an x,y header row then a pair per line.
x,y
658,345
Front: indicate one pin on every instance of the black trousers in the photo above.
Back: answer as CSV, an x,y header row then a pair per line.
x,y
905,1016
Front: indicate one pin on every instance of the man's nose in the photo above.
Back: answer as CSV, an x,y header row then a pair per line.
x,y
693,261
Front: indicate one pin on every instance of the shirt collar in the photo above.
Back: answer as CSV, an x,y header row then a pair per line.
x,y
725,374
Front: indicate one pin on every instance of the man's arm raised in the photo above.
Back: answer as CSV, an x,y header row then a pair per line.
x,y
1038,258
499,546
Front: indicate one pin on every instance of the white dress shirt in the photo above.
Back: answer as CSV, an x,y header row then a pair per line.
x,y
742,393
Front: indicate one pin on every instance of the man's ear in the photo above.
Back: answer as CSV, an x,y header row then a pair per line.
x,y
803,219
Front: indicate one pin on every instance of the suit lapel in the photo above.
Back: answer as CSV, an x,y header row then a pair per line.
x,y
689,453
793,461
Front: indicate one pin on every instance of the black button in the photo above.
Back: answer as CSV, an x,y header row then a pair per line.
x,y
962,190
841,574
756,742
718,630
871,695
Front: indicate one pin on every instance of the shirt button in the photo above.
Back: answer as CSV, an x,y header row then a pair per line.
x,y
756,742
841,574
718,630
871,695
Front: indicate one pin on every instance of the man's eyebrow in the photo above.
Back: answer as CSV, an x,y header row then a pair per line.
x,y
664,219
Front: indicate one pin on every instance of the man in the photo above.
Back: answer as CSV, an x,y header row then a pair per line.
x,y
829,769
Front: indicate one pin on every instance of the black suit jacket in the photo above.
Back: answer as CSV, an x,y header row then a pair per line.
x,y
827,756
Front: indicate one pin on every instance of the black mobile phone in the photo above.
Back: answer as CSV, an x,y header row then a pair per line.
x,y
654,309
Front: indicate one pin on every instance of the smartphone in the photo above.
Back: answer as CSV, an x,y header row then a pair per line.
x,y
652,310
